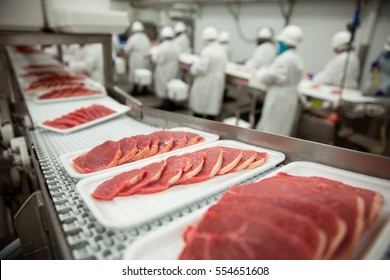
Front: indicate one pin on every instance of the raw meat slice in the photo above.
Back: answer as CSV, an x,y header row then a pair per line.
x,y
211,166
176,165
53,85
72,92
192,138
40,66
326,218
166,141
296,224
180,140
110,188
247,158
101,157
373,200
128,148
230,159
62,121
197,160
154,146
259,161
235,236
143,146
349,206
153,173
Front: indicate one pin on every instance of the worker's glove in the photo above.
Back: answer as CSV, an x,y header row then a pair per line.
x,y
189,65
379,93
243,62
309,75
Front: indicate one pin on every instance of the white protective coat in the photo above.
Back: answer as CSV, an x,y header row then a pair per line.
x,y
90,61
166,58
334,71
281,102
183,42
207,90
228,49
263,55
137,48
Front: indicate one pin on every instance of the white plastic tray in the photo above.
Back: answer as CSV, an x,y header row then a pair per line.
x,y
123,212
167,243
67,159
118,108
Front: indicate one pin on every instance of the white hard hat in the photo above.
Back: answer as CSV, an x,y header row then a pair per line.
x,y
387,44
210,33
265,33
167,32
224,36
291,35
341,39
180,27
137,27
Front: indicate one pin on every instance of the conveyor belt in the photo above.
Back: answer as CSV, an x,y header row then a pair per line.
x,y
86,237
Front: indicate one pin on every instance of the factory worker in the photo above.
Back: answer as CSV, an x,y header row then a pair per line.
x,y
89,60
181,40
281,80
334,71
380,82
137,48
166,58
224,40
209,77
265,51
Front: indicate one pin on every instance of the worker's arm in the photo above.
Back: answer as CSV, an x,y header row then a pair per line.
x,y
201,66
276,74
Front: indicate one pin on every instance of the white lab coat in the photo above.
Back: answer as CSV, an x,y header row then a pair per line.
x,y
228,50
183,42
89,61
281,102
334,71
137,48
263,55
166,58
207,90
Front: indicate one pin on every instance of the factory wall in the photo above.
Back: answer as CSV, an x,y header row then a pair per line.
x,y
318,19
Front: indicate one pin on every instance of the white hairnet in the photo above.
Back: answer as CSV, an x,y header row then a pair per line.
x,y
224,36
137,27
210,33
341,39
265,33
180,27
167,32
291,35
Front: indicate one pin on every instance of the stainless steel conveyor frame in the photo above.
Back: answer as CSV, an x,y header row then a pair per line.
x,y
54,223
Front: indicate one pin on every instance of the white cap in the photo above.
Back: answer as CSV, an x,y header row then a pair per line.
x,y
210,33
167,32
180,27
387,44
137,27
291,35
224,36
265,33
341,39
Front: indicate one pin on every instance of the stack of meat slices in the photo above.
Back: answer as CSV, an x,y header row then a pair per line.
x,y
43,66
80,116
45,74
69,93
56,82
185,169
131,149
284,217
